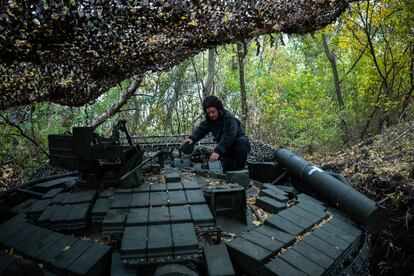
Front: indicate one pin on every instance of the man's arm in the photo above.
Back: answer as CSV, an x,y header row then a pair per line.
x,y
200,132
229,135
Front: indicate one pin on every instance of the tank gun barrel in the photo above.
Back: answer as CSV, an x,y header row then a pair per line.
x,y
359,207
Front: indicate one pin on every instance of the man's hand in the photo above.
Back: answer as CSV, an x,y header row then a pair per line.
x,y
188,141
214,156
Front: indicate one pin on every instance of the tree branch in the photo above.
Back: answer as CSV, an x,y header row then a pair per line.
x,y
361,53
34,142
198,80
116,107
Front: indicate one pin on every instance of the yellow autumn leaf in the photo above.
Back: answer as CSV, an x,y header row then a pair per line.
x,y
152,41
31,73
192,23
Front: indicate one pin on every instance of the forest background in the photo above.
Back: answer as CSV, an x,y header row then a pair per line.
x,y
320,92
317,94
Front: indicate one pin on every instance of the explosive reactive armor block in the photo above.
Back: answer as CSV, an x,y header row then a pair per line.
x,y
240,177
227,200
172,177
218,260
270,204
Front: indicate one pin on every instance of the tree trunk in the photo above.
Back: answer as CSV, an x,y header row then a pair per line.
x,y
177,90
137,114
367,26
409,95
338,92
116,107
200,84
210,75
364,132
274,42
241,54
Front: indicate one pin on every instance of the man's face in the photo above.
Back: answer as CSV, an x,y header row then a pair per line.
x,y
212,113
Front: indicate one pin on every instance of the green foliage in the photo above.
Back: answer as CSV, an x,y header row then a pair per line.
x,y
290,89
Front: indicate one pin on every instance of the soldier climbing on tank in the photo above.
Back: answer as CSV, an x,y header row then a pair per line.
x,y
232,144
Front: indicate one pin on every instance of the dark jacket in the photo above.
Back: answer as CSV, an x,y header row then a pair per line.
x,y
225,131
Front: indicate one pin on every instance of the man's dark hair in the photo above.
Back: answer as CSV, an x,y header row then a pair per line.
x,y
212,101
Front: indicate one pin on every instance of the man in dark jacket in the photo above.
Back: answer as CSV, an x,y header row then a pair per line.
x,y
232,144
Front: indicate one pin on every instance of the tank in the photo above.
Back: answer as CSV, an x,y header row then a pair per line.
x,y
144,205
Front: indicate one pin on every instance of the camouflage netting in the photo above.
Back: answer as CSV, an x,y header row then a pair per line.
x,y
260,152
70,51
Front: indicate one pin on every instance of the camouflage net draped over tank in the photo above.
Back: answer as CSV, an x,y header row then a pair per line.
x,y
260,151
70,51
